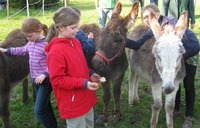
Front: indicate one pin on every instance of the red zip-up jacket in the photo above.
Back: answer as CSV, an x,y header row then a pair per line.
x,y
69,72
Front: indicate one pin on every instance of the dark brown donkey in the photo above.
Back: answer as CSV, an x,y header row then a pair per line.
x,y
13,69
110,60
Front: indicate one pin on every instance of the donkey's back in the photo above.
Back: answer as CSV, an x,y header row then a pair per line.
x,y
142,60
13,69
17,66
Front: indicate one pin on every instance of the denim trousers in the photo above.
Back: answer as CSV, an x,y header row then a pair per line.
x,y
189,91
103,14
43,109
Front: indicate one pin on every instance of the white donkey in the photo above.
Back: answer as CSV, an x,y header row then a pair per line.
x,y
160,62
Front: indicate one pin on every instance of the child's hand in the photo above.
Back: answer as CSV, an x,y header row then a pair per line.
x,y
40,79
95,78
92,85
3,50
91,35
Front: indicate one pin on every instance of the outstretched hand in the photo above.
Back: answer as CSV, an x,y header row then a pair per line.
x,y
3,50
95,78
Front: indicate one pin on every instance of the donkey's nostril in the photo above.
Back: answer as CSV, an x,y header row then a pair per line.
x,y
168,88
100,63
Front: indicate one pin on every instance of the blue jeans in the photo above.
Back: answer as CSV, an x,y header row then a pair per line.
x,y
103,14
141,2
43,109
154,2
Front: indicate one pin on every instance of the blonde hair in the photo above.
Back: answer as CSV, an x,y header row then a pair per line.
x,y
64,16
76,10
33,25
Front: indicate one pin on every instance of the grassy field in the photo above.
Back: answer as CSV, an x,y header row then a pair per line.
x,y
137,116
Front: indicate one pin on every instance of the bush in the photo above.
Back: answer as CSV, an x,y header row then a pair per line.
x,y
22,3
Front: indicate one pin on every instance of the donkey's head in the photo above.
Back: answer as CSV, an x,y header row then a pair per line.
x,y
168,50
112,38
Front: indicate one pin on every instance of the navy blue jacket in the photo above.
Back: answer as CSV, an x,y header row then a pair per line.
x,y
87,45
190,41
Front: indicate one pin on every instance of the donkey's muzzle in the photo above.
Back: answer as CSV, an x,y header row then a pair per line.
x,y
98,63
168,88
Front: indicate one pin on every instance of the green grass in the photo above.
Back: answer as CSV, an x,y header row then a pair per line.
x,y
137,116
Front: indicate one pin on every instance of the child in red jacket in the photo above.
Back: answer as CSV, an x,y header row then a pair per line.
x,y
69,73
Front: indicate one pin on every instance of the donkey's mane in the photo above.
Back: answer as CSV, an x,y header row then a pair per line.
x,y
114,24
138,31
95,29
20,39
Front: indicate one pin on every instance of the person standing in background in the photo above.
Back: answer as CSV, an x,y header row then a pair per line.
x,y
141,2
154,2
175,7
105,8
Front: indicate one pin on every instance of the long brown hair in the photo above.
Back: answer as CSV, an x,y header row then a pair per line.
x,y
32,24
64,16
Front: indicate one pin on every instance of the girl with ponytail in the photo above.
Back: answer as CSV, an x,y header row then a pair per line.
x,y
35,33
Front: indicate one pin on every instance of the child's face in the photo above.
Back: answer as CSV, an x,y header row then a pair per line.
x,y
32,36
68,31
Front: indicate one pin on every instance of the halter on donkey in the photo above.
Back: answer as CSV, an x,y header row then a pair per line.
x,y
161,63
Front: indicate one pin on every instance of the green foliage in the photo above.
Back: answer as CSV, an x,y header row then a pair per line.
x,y
36,3
17,3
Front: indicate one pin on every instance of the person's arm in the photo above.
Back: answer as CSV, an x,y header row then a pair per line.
x,y
19,51
46,72
190,43
87,43
136,44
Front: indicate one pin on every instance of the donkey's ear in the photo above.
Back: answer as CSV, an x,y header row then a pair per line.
x,y
132,16
181,25
155,26
117,10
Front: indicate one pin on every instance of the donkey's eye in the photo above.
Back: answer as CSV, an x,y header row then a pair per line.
x,y
179,58
158,57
